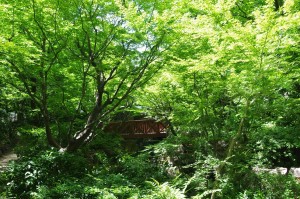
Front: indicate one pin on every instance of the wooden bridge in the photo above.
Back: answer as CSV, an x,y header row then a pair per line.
x,y
147,128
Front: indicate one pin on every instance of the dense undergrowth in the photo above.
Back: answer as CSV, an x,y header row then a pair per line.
x,y
169,169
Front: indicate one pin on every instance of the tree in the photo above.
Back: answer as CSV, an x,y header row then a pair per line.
x,y
80,57
232,78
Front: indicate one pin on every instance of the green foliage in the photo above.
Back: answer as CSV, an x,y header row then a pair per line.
x,y
32,140
223,75
54,175
141,167
109,143
78,62
164,191
229,82
28,173
11,109
8,135
109,187
269,186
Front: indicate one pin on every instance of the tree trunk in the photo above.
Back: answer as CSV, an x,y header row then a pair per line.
x,y
83,135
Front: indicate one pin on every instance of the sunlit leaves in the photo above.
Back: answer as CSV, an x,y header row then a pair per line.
x,y
224,62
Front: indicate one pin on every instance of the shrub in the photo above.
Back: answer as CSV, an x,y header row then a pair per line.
x,y
164,191
141,167
45,169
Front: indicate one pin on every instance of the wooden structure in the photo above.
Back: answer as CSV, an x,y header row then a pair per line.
x,y
147,128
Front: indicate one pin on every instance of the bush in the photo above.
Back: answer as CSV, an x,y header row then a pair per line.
x,y
141,167
101,186
164,191
51,174
25,175
31,141
260,186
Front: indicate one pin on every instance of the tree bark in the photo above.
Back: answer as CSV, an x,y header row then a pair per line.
x,y
83,135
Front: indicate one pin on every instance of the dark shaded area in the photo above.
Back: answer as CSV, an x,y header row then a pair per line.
x,y
285,157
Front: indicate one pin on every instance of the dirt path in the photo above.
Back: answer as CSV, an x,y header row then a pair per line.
x,y
5,159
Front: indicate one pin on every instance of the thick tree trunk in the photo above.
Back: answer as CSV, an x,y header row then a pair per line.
x,y
50,138
84,135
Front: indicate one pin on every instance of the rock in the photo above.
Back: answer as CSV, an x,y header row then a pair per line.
x,y
277,170
295,172
4,160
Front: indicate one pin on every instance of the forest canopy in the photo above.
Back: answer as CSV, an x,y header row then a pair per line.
x,y
223,76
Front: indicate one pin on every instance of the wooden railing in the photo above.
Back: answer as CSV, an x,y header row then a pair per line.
x,y
138,129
